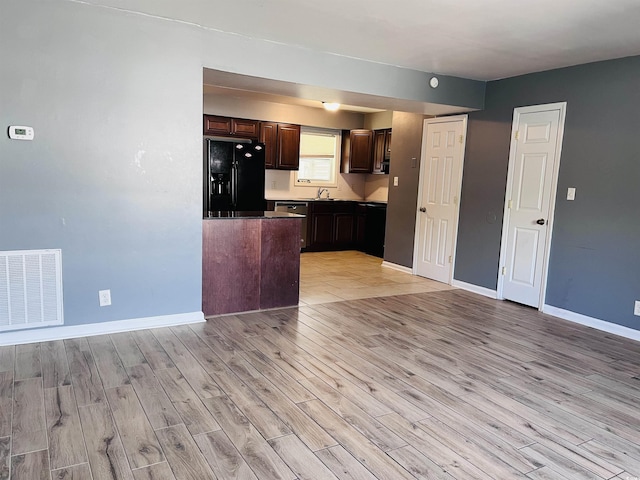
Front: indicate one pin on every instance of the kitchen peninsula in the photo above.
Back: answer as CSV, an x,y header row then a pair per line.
x,y
250,261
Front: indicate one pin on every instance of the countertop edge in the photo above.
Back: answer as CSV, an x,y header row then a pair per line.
x,y
263,215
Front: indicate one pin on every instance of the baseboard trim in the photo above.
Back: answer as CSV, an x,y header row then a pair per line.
x,y
596,323
92,329
470,287
395,266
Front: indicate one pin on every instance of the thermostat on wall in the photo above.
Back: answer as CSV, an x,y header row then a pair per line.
x,y
17,132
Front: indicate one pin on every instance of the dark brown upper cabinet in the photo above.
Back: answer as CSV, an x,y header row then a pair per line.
x,y
268,136
381,150
282,145
231,127
288,147
357,151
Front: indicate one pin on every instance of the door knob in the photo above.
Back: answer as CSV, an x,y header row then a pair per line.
x,y
540,221
423,210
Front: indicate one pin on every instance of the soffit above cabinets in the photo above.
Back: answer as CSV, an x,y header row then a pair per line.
x,y
482,40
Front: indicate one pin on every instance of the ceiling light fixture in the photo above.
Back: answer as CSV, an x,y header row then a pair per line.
x,y
331,106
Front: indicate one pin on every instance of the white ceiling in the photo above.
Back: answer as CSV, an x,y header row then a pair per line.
x,y
477,39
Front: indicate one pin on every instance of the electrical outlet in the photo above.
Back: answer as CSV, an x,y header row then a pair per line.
x,y
273,184
105,298
636,308
395,181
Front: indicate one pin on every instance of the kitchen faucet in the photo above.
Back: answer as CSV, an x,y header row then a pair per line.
x,y
321,191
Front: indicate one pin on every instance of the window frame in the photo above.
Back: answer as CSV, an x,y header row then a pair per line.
x,y
333,182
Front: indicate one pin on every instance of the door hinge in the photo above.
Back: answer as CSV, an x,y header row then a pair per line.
x,y
510,204
450,259
461,139
517,134
504,270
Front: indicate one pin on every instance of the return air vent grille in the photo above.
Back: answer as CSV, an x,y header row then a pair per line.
x,y
30,289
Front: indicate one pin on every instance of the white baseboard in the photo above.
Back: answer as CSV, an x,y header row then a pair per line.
x,y
395,266
487,292
89,330
592,322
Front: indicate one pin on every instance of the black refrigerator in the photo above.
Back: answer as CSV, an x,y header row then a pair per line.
x,y
234,176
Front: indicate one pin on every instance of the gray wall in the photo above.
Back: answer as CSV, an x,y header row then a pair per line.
x,y
110,177
113,177
594,265
406,144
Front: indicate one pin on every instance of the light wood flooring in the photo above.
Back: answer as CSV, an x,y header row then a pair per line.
x,y
432,385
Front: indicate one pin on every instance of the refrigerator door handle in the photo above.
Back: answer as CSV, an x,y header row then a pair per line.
x,y
234,181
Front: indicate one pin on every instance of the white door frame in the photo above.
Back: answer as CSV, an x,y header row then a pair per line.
x,y
423,156
562,107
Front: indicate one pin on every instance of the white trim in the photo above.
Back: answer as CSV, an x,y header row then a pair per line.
x,y
395,266
487,292
596,323
562,108
91,329
416,233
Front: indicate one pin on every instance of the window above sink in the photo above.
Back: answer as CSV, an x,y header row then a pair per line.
x,y
319,157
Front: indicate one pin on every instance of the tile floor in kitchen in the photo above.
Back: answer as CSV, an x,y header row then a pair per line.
x,y
349,275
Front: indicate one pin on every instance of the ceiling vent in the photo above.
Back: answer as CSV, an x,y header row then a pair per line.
x,y
30,289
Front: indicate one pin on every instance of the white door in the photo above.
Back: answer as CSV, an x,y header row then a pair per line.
x,y
440,181
535,150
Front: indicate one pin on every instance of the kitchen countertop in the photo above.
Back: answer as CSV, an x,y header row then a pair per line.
x,y
323,200
244,214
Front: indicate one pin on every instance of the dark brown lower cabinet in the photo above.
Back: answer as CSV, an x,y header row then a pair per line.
x,y
360,225
250,264
331,225
345,225
321,231
343,230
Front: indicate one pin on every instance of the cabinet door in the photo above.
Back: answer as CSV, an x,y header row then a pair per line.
x,y
288,156
322,231
241,127
360,229
343,230
379,150
268,136
214,125
361,151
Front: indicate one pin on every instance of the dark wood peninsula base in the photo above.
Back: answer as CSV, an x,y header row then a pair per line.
x,y
250,261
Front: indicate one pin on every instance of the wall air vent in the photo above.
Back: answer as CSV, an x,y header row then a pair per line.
x,y
30,289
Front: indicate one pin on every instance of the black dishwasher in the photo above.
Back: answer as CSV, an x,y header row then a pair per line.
x,y
374,228
299,208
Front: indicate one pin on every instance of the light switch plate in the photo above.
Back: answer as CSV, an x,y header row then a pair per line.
x,y
636,309
395,181
571,193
